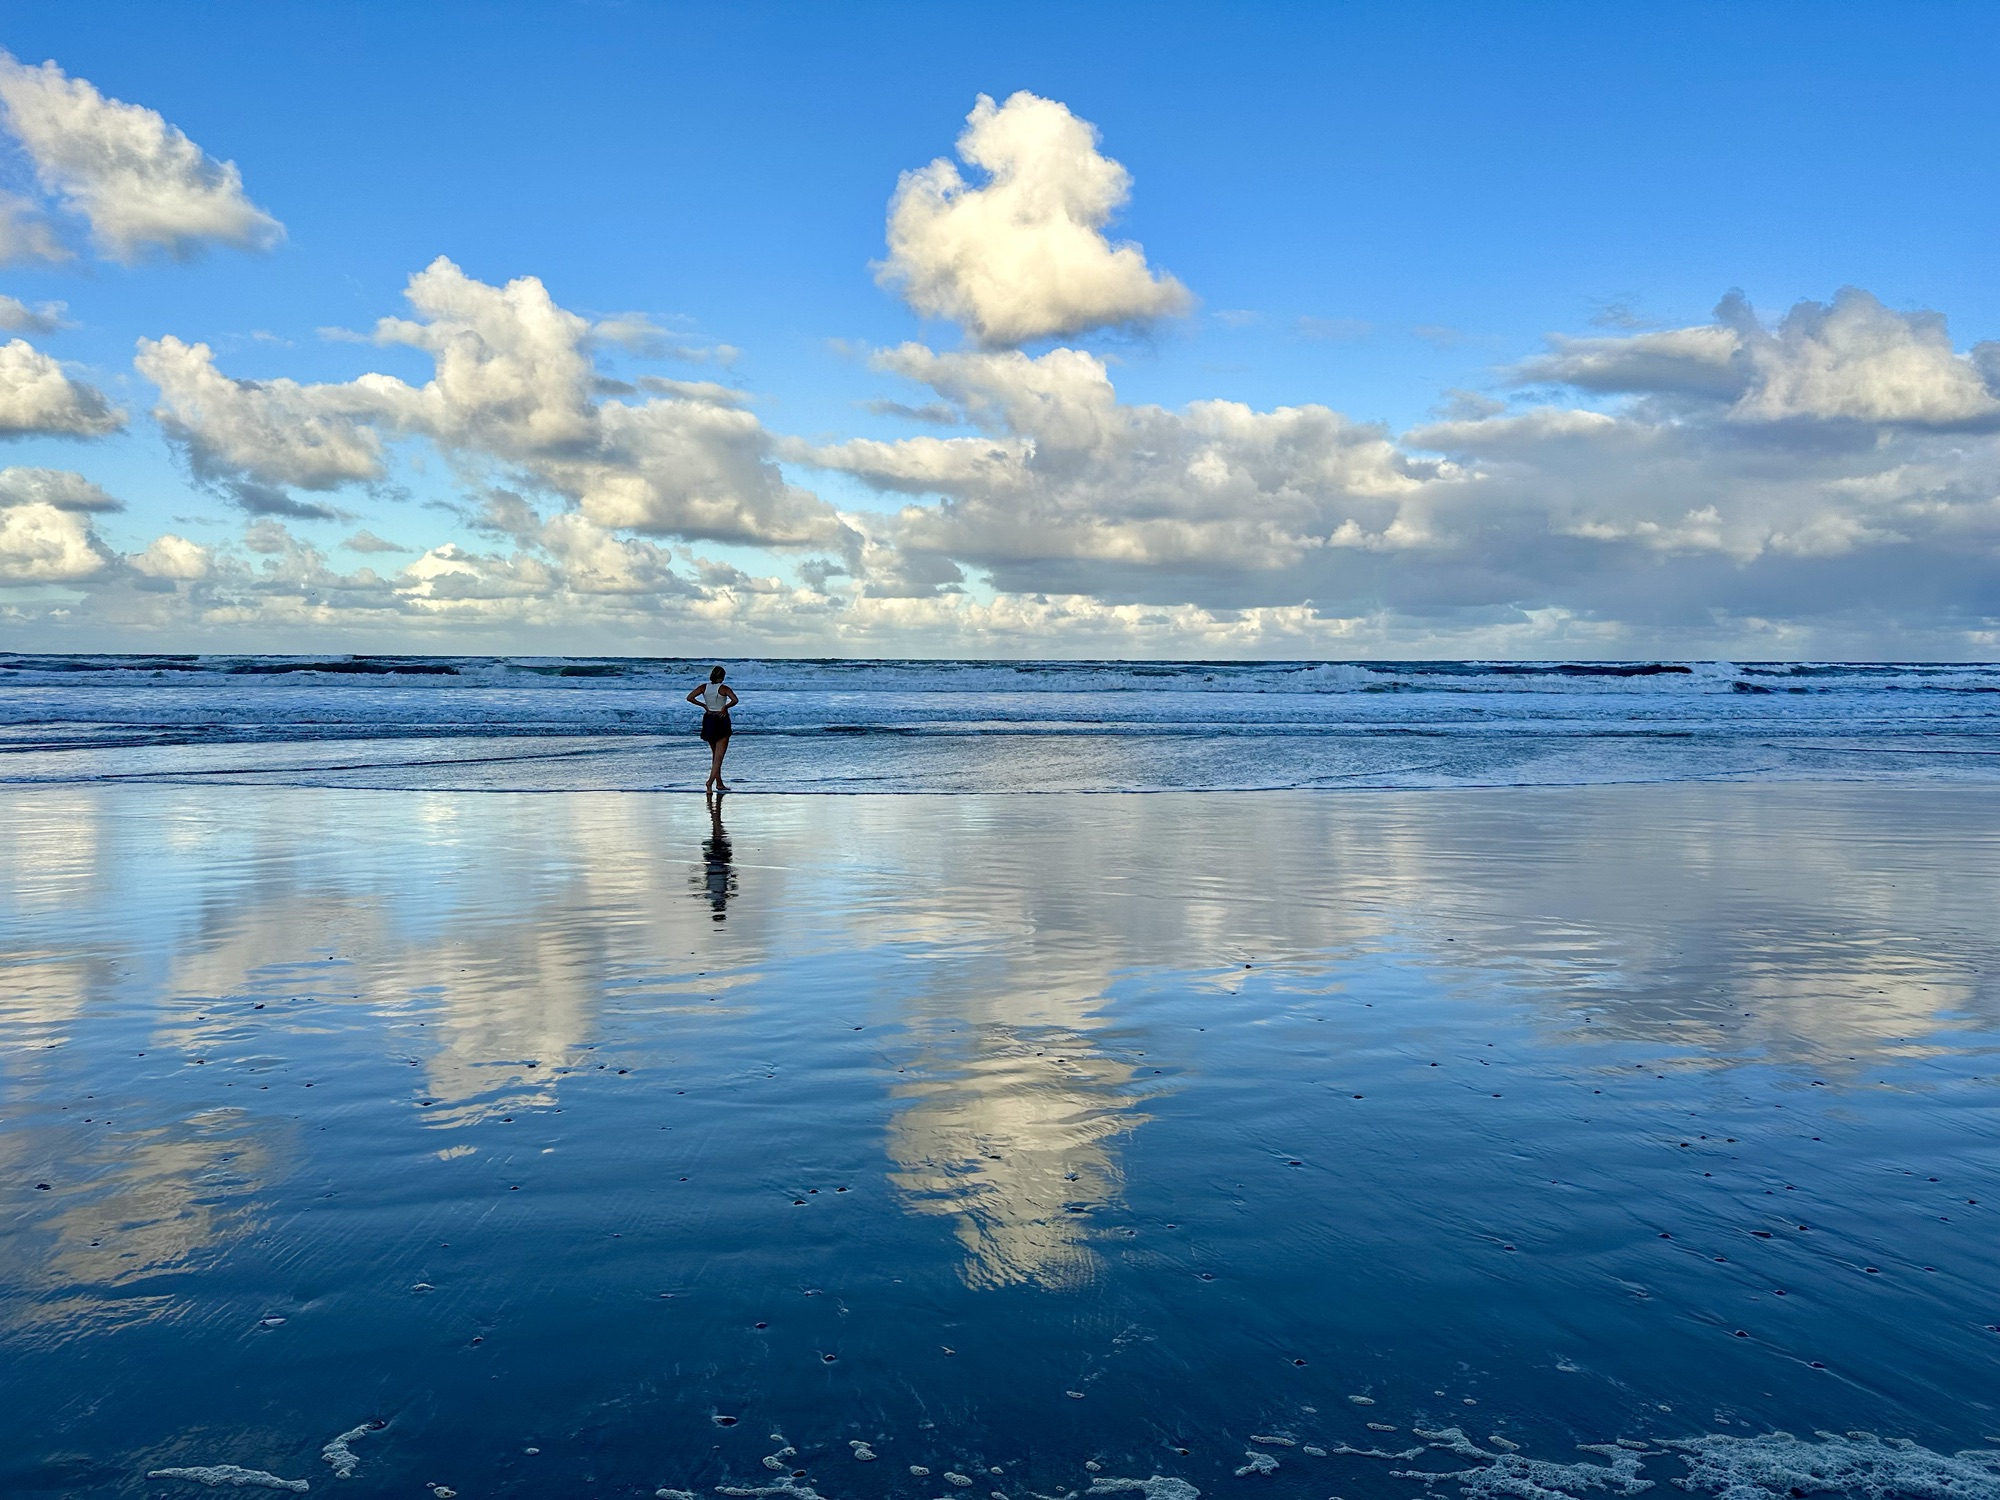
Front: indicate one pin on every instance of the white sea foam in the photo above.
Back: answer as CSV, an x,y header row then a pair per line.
x,y
1533,1479
785,1486
1345,1450
229,1476
1777,1466
343,1458
1158,1487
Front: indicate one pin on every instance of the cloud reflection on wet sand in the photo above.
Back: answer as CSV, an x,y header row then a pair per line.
x,y
489,945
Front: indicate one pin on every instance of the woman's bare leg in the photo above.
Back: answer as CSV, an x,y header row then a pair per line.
x,y
720,748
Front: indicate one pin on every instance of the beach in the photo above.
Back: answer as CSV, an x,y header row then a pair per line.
x,y
901,752
600,1143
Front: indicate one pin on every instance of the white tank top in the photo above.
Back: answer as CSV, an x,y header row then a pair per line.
x,y
712,699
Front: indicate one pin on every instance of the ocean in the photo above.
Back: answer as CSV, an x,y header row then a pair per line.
x,y
557,724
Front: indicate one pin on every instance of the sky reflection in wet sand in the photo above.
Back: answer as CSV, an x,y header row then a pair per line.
x,y
575,1122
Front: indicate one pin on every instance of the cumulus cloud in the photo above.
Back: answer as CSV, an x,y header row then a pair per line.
x,y
272,432
709,391
1855,360
1827,477
1703,361
38,399
175,557
45,530
26,236
366,541
1841,462
255,440
1850,360
1022,255
140,183
17,317
1070,487
40,543
61,488
514,386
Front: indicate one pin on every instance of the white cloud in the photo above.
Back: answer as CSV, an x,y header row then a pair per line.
x,y
257,438
1855,360
594,561
712,392
61,488
41,544
1841,463
37,398
1814,483
1071,484
26,237
513,376
175,557
1700,361
17,317
1023,255
514,386
367,541
45,530
1850,360
637,333
140,182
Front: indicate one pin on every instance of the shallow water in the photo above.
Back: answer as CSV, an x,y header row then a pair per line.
x,y
996,1132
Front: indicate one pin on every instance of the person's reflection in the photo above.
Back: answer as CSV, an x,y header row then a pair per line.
x,y
718,877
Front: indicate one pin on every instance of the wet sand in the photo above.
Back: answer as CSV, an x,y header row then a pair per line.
x,y
991,1132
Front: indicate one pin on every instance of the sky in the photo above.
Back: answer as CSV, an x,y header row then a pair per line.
x,y
1257,330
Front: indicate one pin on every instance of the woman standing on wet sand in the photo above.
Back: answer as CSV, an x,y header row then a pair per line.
x,y
716,700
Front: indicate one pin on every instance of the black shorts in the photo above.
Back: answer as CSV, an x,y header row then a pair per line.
x,y
714,727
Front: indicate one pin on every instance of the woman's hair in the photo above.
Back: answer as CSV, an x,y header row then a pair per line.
x,y
715,675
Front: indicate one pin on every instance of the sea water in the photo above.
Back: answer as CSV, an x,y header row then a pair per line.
x,y
531,724
1508,1140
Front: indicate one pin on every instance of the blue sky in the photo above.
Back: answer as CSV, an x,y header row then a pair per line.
x,y
1380,210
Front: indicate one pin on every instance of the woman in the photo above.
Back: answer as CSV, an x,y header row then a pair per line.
x,y
716,700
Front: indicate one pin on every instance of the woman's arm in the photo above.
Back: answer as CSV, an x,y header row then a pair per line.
x,y
694,696
729,693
